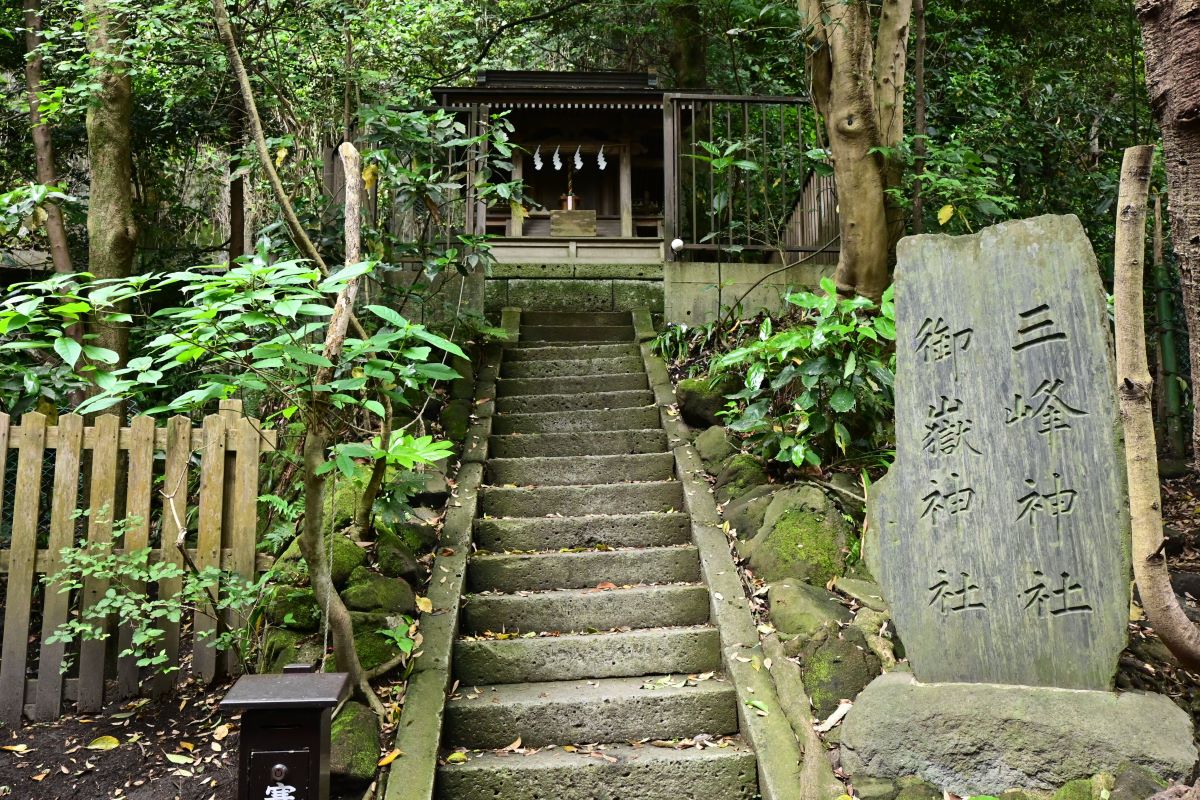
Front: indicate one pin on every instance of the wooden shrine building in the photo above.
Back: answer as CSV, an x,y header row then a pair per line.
x,y
618,168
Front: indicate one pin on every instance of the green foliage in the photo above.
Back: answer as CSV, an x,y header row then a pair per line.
x,y
23,213
820,387
131,595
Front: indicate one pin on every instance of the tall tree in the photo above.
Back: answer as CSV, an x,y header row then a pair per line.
x,y
858,87
112,231
688,57
43,145
1171,38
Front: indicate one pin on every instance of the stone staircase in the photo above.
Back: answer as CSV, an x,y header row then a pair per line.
x,y
587,612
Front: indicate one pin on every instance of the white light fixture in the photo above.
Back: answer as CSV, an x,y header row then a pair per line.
x,y
676,245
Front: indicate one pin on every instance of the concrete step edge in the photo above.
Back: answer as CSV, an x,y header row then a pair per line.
x,y
685,650
584,610
512,572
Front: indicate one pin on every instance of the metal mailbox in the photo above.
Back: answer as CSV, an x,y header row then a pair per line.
x,y
284,745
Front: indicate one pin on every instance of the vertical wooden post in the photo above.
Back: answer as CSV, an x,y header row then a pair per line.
x,y
102,502
208,540
31,441
137,533
670,181
174,519
626,190
516,223
241,536
48,704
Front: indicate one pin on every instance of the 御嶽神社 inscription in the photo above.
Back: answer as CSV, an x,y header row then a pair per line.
x,y
1000,536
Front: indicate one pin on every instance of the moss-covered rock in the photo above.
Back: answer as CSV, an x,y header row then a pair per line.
x,y
1135,782
370,591
1080,789
417,534
699,402
912,788
745,514
456,418
849,486
347,556
373,647
714,445
354,747
294,608
282,647
875,789
739,474
798,609
838,667
464,387
803,536
341,504
395,559
291,568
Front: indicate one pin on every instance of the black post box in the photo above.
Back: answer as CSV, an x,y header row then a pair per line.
x,y
284,745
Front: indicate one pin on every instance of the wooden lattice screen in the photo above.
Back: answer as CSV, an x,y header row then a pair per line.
x,y
147,470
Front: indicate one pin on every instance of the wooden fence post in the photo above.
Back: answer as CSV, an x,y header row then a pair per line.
x,y
101,502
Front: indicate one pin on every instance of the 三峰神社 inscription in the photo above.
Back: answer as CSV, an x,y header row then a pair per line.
x,y
1000,537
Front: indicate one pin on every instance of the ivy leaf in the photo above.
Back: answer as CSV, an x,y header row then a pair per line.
x,y
842,400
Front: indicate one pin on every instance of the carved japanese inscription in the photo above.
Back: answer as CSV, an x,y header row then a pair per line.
x,y
1000,536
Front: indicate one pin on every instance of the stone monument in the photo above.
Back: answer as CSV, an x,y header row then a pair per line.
x,y
1000,536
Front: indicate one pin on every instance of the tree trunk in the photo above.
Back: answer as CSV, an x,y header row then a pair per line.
x,y
858,86
43,145
688,60
1134,391
1171,38
919,125
112,232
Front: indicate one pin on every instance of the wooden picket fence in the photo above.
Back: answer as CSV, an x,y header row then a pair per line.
x,y
151,468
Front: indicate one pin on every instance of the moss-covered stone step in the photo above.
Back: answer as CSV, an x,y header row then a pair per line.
x,y
569,470
587,319
573,333
511,572
527,445
568,501
512,387
647,651
570,368
576,610
606,710
603,419
534,403
541,352
611,530
644,773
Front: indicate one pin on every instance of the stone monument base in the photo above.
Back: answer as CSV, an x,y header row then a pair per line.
x,y
978,738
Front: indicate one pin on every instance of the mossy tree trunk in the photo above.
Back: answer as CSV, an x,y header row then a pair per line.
x,y
1171,39
858,87
112,231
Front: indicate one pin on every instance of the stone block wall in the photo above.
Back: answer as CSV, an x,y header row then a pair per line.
x,y
696,292
575,287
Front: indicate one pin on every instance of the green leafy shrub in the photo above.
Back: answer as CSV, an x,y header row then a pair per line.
x,y
820,387
132,596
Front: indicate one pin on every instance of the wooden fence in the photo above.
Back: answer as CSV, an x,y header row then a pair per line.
x,y
152,472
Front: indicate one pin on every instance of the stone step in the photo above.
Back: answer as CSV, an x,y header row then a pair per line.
x,y
625,773
605,710
574,333
570,368
572,501
568,470
514,572
512,387
596,419
555,352
582,443
586,319
534,403
646,651
554,533
577,610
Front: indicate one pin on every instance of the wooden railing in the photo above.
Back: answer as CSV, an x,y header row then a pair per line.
x,y
145,475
